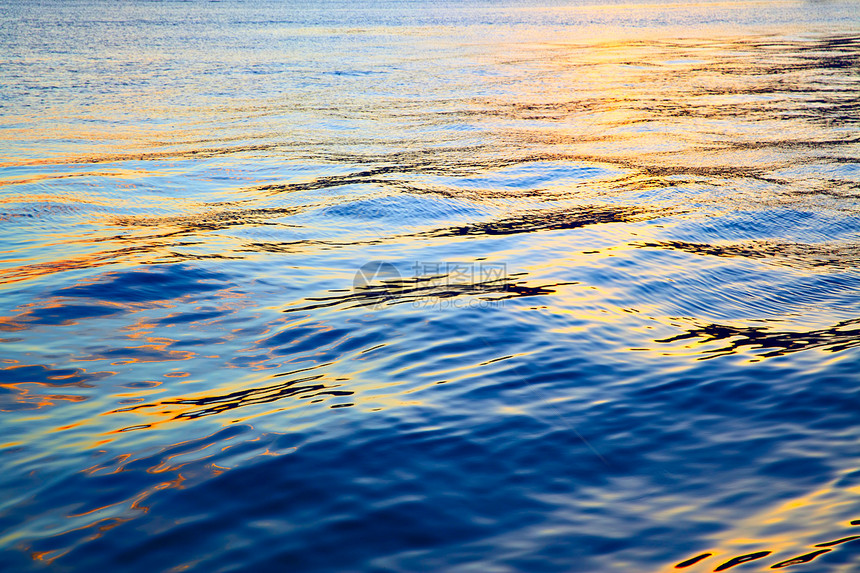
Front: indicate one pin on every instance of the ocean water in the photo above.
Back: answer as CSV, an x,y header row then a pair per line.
x,y
429,286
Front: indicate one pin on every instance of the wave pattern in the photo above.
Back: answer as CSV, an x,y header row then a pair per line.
x,y
494,287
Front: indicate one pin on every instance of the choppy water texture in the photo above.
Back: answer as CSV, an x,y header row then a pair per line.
x,y
415,286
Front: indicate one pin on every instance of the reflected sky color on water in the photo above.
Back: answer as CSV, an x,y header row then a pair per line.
x,y
414,286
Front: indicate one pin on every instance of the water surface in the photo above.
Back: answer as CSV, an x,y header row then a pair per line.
x,y
420,286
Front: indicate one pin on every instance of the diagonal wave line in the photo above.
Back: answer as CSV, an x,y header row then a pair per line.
x,y
558,412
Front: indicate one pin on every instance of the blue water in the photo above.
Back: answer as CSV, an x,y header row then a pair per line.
x,y
429,286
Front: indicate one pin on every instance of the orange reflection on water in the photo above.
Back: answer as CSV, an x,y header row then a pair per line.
x,y
809,516
19,378
85,261
33,400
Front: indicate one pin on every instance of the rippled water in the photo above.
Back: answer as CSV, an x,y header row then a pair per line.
x,y
416,286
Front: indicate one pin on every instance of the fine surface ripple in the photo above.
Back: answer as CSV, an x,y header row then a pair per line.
x,y
410,286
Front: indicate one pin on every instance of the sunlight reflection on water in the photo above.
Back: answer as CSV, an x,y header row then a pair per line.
x,y
618,328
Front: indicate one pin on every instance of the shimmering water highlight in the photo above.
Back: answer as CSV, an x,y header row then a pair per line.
x,y
410,286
